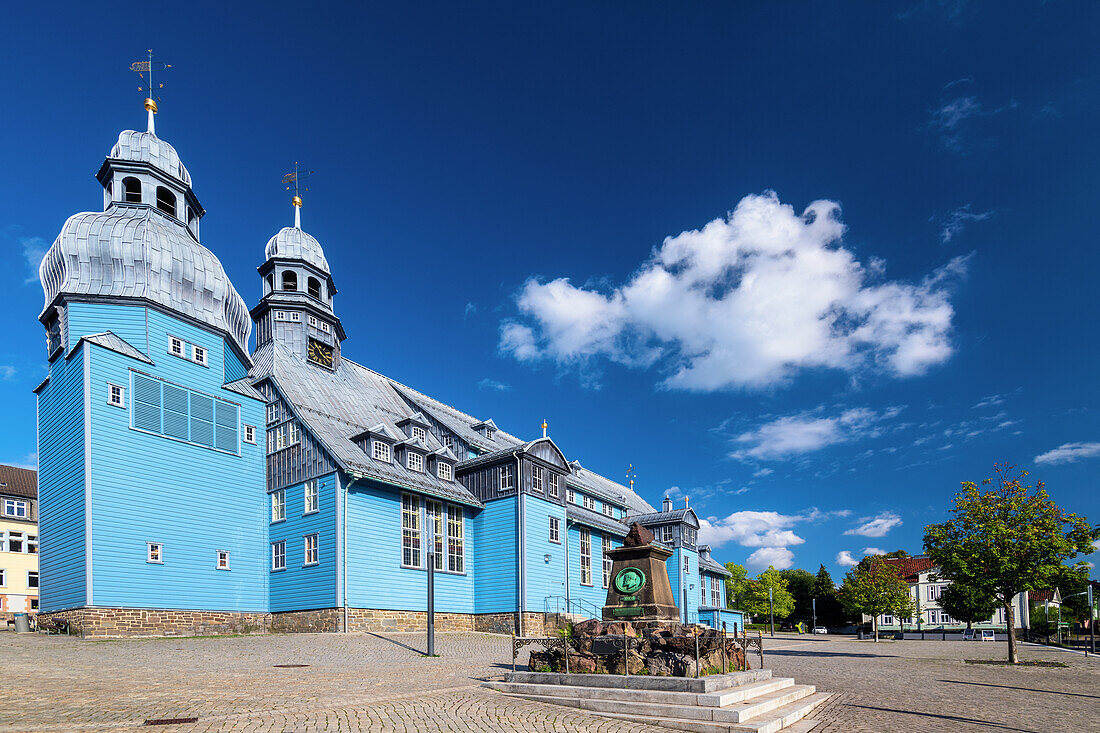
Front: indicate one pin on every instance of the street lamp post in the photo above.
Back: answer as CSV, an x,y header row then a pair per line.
x,y
813,630
431,598
771,610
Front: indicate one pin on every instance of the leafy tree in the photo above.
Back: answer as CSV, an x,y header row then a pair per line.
x,y
756,601
829,610
1007,538
898,554
736,585
1072,582
800,584
874,588
967,603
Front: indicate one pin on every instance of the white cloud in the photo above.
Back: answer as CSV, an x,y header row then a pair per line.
x,y
1069,453
876,526
778,557
845,559
747,301
958,219
807,432
762,472
471,309
751,529
1089,565
873,551
494,386
34,249
7,371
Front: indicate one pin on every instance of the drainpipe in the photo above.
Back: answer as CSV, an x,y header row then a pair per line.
x,y
566,540
344,551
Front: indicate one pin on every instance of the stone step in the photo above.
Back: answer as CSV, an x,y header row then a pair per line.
x,y
735,713
724,697
789,719
709,684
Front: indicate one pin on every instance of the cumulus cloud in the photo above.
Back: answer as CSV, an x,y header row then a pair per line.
x,y
956,115
845,559
873,551
958,219
494,386
807,432
747,301
34,249
1069,453
877,526
778,557
7,371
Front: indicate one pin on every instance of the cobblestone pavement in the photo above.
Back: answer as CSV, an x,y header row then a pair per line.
x,y
368,682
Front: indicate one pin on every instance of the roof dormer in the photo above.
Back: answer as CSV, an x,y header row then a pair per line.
x,y
443,463
378,442
487,428
413,454
415,426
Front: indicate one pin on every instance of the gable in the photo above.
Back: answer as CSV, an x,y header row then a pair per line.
x,y
545,449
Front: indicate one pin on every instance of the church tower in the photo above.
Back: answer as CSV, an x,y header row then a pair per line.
x,y
296,308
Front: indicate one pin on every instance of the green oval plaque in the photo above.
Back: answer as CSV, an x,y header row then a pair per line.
x,y
629,580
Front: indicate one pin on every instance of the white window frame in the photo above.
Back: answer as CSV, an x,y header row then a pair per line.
x,y
456,539
433,515
448,442
703,590
537,474
16,508
418,432
507,477
588,502
3,578
554,531
380,451
273,413
311,548
278,555
571,496
37,579
609,510
310,497
32,544
586,556
552,489
250,434
716,592
414,461
154,553
199,355
489,432
278,506
296,316
444,471
221,559
668,534
687,565
607,561
177,347
411,545
113,399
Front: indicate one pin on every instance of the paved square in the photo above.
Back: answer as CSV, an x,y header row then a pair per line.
x,y
367,682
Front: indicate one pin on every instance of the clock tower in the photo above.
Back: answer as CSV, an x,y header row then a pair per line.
x,y
296,307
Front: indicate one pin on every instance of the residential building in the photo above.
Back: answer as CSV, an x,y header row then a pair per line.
x,y
345,483
18,541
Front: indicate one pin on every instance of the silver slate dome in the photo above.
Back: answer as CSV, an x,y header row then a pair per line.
x,y
293,243
136,251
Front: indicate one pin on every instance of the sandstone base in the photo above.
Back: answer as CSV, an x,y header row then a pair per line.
x,y
105,623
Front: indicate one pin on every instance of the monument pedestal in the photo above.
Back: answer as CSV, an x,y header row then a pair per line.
x,y
639,589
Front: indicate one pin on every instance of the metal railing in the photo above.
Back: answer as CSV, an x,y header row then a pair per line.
x,y
572,606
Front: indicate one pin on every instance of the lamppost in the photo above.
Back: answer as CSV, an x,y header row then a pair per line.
x,y
771,610
431,596
813,630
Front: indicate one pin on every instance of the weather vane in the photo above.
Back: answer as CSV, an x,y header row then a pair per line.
x,y
294,180
631,475
145,69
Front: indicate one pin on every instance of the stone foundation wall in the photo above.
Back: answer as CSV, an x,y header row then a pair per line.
x,y
371,619
495,623
107,623
305,622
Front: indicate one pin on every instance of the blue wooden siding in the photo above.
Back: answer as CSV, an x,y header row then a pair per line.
x,y
234,369
300,587
735,620
61,555
193,500
125,321
495,538
376,578
545,580
682,583
594,595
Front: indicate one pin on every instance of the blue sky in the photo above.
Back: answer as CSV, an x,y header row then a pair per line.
x,y
809,265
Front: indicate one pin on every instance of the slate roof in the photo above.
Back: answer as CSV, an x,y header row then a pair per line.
x,y
458,422
604,488
910,567
20,482
711,566
599,521
244,388
676,515
146,147
114,343
293,243
337,406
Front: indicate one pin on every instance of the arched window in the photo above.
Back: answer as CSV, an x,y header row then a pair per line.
x,y
166,201
270,283
131,190
290,280
313,287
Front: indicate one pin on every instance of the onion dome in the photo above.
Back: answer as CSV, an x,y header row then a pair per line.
x,y
292,243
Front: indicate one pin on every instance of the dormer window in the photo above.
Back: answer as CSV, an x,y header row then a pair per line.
x,y
414,461
380,451
131,190
166,201
608,509
536,478
445,471
489,432
313,288
418,432
666,534
553,485
290,280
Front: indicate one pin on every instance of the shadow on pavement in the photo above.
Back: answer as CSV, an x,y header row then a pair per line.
x,y
950,718
811,653
395,641
1025,689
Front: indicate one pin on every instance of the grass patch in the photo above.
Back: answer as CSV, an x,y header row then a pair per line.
x,y
1006,663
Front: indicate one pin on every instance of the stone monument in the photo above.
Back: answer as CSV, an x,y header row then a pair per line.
x,y
639,589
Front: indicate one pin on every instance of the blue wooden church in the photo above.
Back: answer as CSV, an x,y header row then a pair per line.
x,y
190,485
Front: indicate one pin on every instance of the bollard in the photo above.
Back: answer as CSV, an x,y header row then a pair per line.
x,y
695,632
724,665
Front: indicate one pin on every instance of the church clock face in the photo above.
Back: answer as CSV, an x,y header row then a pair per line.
x,y
320,353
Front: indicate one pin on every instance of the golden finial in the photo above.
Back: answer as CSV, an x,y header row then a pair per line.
x,y
141,68
544,426
295,179
631,475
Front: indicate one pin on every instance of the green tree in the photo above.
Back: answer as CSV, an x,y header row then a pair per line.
x,y
829,610
756,600
898,554
1006,538
800,584
874,588
736,585
967,603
